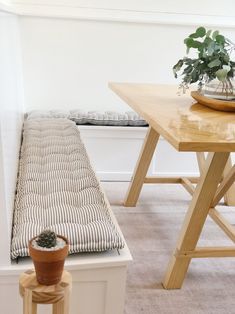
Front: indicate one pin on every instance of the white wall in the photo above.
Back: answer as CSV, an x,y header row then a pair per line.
x,y
11,113
4,4
68,62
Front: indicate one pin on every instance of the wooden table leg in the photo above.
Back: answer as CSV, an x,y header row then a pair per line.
x,y
224,186
229,197
142,166
201,160
195,219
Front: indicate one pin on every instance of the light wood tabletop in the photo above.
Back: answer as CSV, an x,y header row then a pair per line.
x,y
188,126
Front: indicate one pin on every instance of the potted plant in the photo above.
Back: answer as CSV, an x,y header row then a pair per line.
x,y
212,62
48,252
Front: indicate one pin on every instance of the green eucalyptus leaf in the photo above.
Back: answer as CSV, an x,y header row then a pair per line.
x,y
179,64
200,55
221,74
208,33
215,33
177,67
211,48
195,77
187,70
214,63
226,58
201,31
196,63
220,39
201,47
194,35
196,44
191,43
207,41
188,42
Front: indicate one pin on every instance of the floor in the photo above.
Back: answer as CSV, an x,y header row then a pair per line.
x,y
150,230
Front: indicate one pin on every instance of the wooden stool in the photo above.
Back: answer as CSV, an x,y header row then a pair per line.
x,y
33,293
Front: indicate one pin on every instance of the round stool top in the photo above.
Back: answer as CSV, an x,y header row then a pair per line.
x,y
44,294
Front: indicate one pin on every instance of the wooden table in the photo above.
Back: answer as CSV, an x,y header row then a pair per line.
x,y
189,127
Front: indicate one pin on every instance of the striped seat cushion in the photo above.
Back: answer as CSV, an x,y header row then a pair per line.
x,y
58,189
114,118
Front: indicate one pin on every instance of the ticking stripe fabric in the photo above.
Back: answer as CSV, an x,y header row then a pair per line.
x,y
58,189
128,118
113,118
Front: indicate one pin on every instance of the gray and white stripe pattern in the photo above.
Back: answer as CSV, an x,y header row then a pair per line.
x,y
58,189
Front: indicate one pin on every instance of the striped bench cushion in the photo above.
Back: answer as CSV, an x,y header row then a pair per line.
x,y
58,189
113,118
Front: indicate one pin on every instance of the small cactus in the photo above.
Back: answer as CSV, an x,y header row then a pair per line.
x,y
46,238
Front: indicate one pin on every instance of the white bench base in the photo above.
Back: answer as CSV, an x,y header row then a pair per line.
x,y
121,147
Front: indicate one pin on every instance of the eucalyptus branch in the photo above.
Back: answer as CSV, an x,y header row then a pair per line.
x,y
213,60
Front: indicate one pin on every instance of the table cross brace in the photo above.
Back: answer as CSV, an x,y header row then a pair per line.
x,y
217,178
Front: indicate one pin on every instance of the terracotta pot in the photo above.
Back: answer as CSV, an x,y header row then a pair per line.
x,y
49,265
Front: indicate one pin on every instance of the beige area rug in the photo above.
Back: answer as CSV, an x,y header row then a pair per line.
x,y
151,230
